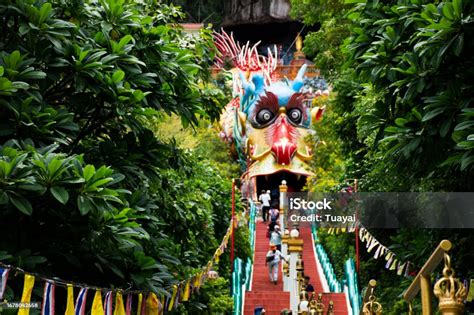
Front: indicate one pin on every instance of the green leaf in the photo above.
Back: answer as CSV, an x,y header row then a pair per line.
x,y
84,204
60,194
21,203
431,114
457,6
88,172
118,76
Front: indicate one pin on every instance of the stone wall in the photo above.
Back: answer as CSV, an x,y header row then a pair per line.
x,y
256,11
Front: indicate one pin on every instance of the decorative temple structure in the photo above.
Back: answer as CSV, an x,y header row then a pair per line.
x,y
271,114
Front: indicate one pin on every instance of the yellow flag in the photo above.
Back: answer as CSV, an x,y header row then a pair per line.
x,y
152,304
97,307
119,308
26,296
173,297
139,307
186,291
70,300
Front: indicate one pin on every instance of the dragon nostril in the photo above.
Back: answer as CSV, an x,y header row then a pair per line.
x,y
283,151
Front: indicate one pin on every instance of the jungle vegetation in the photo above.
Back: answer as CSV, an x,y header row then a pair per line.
x,y
400,117
89,192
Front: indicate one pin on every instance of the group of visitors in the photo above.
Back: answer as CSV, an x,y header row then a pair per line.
x,y
274,255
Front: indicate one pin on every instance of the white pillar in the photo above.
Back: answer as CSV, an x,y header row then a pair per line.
x,y
293,284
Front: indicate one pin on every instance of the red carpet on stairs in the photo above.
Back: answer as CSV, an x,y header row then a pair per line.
x,y
264,293
310,269
272,297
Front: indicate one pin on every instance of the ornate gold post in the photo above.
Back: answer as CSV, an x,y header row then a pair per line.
x,y
370,305
423,280
331,308
425,284
295,247
303,295
450,291
283,205
316,307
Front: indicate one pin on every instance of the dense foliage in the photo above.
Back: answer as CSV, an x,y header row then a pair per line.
x,y
400,114
88,192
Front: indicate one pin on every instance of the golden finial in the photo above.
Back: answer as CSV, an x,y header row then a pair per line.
x,y
450,291
299,42
372,307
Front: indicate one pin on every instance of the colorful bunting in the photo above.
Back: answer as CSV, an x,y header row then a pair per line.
x,y
70,300
26,295
81,302
180,292
139,306
108,303
48,299
119,307
97,307
3,280
152,304
470,294
128,308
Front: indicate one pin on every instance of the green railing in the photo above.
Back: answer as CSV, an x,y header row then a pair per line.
x,y
243,269
350,275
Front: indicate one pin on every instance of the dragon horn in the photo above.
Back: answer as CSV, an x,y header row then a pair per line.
x,y
298,81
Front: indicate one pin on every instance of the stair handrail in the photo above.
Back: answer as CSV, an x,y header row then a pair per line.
x,y
350,275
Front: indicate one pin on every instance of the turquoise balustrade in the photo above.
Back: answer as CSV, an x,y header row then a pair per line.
x,y
243,269
350,275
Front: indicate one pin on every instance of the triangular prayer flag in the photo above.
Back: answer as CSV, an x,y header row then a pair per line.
x,y
162,305
394,264
108,303
186,291
151,304
470,294
400,268
128,307
97,306
173,297
70,300
26,295
3,281
119,307
389,263
81,302
373,244
139,306
48,299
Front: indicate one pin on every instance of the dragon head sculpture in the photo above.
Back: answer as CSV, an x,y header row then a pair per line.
x,y
268,120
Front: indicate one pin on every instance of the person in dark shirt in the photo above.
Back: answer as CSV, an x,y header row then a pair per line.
x,y
308,287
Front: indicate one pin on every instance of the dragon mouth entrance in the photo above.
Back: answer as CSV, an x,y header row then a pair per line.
x,y
295,182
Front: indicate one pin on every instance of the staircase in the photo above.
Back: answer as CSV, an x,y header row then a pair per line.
x,y
272,297
310,269
264,293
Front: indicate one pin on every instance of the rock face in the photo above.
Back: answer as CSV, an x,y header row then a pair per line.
x,y
256,11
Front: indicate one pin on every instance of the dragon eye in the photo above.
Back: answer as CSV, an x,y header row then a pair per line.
x,y
264,116
295,115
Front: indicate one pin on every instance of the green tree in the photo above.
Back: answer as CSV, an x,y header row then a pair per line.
x,y
88,192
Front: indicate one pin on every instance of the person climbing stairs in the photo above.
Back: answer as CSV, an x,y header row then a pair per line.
x,y
264,294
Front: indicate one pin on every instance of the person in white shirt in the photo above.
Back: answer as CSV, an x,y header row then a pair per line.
x,y
265,200
272,260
